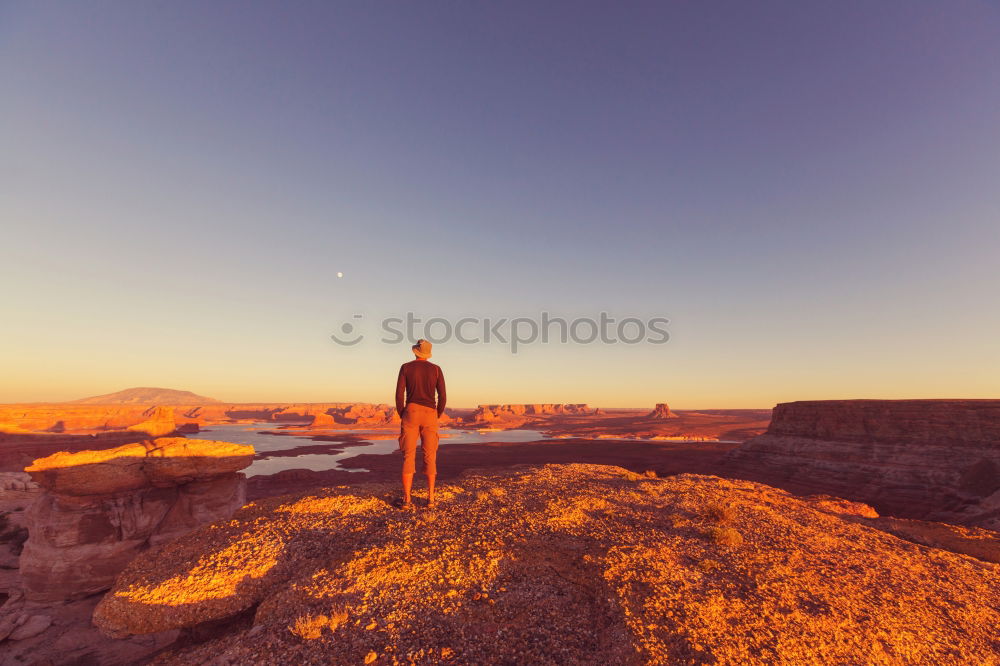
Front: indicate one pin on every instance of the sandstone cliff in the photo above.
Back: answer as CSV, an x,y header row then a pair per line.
x,y
98,509
66,417
362,414
561,564
323,421
16,420
495,413
933,459
159,422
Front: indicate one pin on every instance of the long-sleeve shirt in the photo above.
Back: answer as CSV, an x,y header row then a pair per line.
x,y
418,380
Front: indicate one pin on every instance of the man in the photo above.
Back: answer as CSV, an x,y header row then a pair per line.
x,y
419,380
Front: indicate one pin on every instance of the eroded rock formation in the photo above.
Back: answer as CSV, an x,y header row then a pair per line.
x,y
159,424
17,420
354,414
17,488
561,564
362,414
17,493
662,411
323,421
20,419
494,413
99,509
931,459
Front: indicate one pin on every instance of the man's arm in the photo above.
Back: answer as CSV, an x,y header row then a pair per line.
x,y
442,396
400,391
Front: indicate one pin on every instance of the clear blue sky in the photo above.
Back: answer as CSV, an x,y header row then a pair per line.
x,y
809,191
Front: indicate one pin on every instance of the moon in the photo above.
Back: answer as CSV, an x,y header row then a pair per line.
x,y
339,274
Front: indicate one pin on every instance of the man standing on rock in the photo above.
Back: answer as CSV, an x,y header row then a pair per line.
x,y
419,380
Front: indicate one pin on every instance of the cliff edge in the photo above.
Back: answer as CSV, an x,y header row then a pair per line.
x,y
929,459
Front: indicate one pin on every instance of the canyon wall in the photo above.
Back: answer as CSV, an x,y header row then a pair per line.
x,y
99,509
493,413
160,420
342,413
930,459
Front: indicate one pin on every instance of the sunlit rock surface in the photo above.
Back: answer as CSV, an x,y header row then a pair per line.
x,y
159,419
932,459
323,421
98,509
164,462
487,414
159,424
562,564
662,411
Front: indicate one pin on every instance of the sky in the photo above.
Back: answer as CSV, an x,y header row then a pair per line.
x,y
809,192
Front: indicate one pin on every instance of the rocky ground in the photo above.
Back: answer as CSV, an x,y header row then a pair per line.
x,y
559,564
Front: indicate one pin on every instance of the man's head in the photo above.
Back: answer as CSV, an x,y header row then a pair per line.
x,y
422,349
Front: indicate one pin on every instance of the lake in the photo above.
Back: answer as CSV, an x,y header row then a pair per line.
x,y
264,443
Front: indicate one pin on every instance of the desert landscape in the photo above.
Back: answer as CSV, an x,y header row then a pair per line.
x,y
500,334
562,532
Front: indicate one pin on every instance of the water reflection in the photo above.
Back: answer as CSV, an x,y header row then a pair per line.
x,y
266,442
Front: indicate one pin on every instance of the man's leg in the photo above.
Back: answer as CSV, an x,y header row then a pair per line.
x,y
407,486
408,442
429,444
